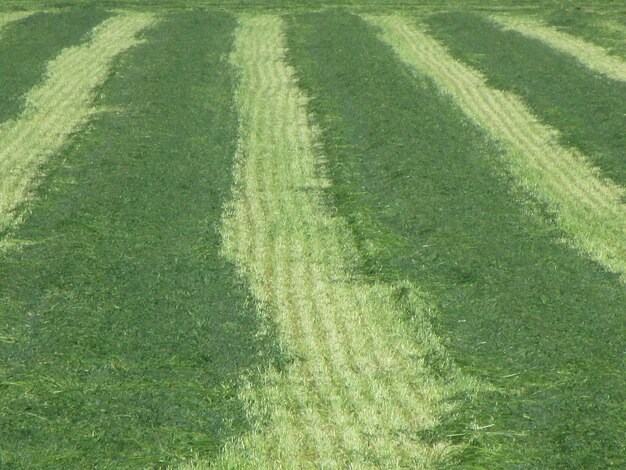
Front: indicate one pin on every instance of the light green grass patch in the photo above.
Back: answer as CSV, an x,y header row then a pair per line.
x,y
10,17
357,391
588,208
591,55
58,107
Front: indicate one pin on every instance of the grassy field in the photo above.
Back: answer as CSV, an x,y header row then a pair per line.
x,y
291,235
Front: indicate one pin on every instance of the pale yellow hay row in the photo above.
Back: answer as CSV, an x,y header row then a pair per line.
x,y
357,390
591,55
11,16
59,106
588,207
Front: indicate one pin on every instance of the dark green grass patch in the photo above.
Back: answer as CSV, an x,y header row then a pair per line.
x,y
585,107
27,45
428,197
592,26
124,333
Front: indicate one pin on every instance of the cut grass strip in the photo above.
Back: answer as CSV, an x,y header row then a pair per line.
x,y
586,108
26,46
603,27
357,390
588,54
123,332
589,209
12,16
431,201
57,108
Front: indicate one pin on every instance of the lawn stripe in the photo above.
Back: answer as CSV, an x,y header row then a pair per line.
x,y
29,44
589,209
58,107
585,107
120,322
591,55
597,26
352,394
430,199
12,16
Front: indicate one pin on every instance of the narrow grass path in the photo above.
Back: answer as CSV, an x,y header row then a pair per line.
x,y
590,55
9,17
431,201
124,334
589,209
586,108
58,107
27,45
357,390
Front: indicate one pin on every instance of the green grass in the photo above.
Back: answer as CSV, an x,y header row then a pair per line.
x,y
256,4
134,335
124,334
585,107
28,44
606,30
430,201
356,371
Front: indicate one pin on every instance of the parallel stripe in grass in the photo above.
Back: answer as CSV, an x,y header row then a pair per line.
x,y
56,108
589,209
590,55
124,332
12,16
603,27
430,200
27,45
356,391
586,108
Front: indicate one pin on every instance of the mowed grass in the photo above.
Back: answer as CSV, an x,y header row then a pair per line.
x,y
431,202
26,45
357,390
125,336
604,28
133,335
586,107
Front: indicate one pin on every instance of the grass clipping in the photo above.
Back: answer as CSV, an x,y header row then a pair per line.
x,y
9,17
58,107
356,390
588,208
592,56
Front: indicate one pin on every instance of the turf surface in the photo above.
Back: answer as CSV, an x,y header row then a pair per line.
x,y
124,333
29,43
587,108
430,201
605,29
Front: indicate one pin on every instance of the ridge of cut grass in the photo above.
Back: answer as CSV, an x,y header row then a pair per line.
x,y
28,45
58,107
585,108
12,16
430,200
601,27
124,334
588,54
357,390
588,209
